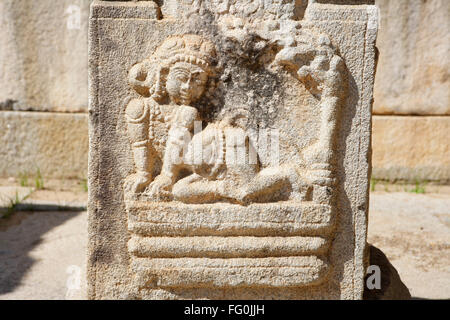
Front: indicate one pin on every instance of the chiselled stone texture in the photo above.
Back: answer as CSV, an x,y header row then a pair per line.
x,y
411,149
43,55
413,70
229,149
352,2
54,143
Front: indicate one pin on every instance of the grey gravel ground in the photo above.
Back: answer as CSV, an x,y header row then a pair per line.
x,y
42,254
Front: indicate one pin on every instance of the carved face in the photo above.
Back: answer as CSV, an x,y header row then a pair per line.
x,y
186,83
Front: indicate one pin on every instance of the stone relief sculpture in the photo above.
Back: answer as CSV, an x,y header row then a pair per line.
x,y
207,174
239,179
171,80
161,126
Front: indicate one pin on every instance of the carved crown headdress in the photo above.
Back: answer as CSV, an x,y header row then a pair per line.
x,y
145,77
187,48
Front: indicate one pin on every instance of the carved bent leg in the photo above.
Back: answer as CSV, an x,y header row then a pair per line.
x,y
271,182
196,189
267,185
137,127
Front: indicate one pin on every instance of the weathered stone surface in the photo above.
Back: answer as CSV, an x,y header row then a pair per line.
x,y
411,148
413,70
43,55
55,143
188,196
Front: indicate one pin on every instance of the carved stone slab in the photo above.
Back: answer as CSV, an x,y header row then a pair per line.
x,y
229,149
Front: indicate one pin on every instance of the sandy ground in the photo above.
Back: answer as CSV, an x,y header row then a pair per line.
x,y
413,230
42,254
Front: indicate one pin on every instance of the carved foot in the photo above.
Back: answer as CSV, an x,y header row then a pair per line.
x,y
322,181
242,198
135,184
160,189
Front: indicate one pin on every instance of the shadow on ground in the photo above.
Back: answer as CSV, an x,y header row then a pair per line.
x,y
20,233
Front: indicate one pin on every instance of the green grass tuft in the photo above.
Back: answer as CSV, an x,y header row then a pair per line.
x,y
39,181
419,187
23,178
373,184
84,185
13,203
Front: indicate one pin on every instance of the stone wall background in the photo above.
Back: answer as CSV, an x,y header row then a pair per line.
x,y
43,89
411,122
413,71
43,55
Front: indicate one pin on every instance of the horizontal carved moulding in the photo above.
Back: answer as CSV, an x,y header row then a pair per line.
x,y
274,219
233,272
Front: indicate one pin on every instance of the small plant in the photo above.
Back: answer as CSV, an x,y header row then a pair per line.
x,y
23,179
373,184
39,181
84,185
13,203
419,187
